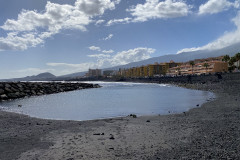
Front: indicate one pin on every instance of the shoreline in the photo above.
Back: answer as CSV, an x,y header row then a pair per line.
x,y
209,97
209,131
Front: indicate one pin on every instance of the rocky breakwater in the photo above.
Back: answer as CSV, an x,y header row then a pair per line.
x,y
14,90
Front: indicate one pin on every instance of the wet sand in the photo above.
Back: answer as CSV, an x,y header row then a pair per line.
x,y
211,131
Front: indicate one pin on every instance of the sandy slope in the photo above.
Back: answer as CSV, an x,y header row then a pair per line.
x,y
209,131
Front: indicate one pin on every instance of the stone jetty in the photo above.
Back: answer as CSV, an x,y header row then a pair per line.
x,y
14,90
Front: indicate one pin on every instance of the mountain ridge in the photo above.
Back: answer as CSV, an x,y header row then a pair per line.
x,y
181,57
42,76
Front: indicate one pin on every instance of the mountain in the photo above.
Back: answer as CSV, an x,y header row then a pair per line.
x,y
183,57
40,77
77,74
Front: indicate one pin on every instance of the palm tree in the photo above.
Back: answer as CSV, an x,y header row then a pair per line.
x,y
232,61
226,58
237,56
206,65
178,70
192,64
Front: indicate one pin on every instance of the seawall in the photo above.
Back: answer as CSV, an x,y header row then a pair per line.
x,y
14,90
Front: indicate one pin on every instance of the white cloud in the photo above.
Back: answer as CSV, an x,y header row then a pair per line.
x,y
116,21
96,7
103,61
98,22
155,9
132,55
94,48
55,18
99,56
228,39
108,37
15,42
108,51
32,71
216,6
68,65
67,68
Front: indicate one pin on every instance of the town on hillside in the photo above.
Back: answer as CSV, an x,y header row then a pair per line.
x,y
194,67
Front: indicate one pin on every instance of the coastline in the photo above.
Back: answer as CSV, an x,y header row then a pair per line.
x,y
211,131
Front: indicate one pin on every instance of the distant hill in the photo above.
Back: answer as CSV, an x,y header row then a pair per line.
x,y
40,77
77,74
182,57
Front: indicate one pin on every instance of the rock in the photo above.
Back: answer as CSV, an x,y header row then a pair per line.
x,y
111,137
96,134
13,90
2,91
8,90
19,86
7,86
33,92
133,115
148,121
3,96
12,95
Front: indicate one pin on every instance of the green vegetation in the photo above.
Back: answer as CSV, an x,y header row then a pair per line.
x,y
231,61
179,71
206,65
192,64
226,58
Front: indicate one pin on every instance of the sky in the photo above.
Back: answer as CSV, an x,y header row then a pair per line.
x,y
67,36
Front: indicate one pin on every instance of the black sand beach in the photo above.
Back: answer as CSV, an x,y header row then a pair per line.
x,y
210,131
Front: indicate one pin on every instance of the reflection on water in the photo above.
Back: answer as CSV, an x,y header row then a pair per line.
x,y
112,100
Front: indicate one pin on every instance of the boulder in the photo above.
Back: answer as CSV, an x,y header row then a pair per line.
x,y
3,96
8,90
33,92
19,86
12,95
14,89
7,85
2,91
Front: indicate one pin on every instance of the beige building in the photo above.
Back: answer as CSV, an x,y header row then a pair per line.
x,y
94,72
199,68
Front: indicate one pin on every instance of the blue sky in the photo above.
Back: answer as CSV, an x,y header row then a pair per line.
x,y
67,36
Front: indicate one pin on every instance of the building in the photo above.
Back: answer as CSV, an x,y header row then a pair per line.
x,y
108,73
200,67
150,70
94,72
237,64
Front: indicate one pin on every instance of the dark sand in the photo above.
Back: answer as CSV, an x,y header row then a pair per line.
x,y
211,131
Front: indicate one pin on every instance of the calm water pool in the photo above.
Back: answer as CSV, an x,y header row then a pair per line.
x,y
112,100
